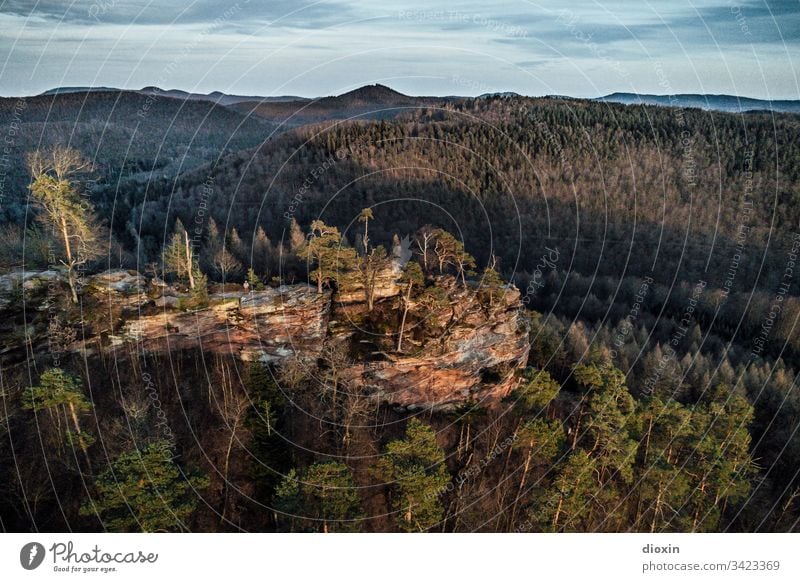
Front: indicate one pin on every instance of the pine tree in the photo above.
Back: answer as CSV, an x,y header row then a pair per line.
x,y
56,193
57,389
414,470
324,495
566,504
325,252
255,282
537,389
661,484
145,491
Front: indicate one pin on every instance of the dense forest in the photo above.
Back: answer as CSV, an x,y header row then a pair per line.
x,y
655,250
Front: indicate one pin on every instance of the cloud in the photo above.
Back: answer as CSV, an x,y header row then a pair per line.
x,y
301,13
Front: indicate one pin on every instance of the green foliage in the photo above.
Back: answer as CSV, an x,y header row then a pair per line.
x,y
414,470
255,282
145,491
566,505
538,388
609,412
324,497
324,250
56,388
62,209
198,296
544,438
491,286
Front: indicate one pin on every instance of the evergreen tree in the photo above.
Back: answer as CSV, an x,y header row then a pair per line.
x,y
62,208
58,389
537,389
566,504
145,491
414,470
324,250
325,495
412,275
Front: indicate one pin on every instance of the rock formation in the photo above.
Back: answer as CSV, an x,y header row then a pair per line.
x,y
474,356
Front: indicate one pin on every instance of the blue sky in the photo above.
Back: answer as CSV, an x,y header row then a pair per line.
x,y
278,47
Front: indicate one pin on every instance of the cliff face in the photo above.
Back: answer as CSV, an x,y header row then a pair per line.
x,y
473,357
267,325
475,360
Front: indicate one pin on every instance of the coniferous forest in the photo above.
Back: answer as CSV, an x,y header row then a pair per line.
x,y
496,314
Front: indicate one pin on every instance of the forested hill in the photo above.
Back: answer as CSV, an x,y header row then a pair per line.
x,y
130,137
656,249
619,190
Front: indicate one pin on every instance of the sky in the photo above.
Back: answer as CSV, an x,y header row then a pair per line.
x,y
301,47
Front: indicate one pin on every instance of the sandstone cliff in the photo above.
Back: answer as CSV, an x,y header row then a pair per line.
x,y
474,355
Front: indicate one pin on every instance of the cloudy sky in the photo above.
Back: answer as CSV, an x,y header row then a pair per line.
x,y
423,47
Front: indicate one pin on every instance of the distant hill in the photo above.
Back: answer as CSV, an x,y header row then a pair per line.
x,y
500,94
132,138
368,102
217,96
214,97
727,103
64,90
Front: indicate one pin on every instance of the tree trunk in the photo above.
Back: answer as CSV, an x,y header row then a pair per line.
x,y
407,304
70,263
74,414
656,509
557,516
226,470
525,470
188,259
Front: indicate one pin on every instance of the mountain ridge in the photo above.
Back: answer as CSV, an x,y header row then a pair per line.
x,y
706,101
376,94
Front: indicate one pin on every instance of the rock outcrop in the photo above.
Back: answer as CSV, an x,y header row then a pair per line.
x,y
269,325
474,356
475,360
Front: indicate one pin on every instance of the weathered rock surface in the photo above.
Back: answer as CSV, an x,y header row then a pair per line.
x,y
474,358
386,285
267,325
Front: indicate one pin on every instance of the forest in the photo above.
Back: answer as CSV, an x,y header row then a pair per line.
x,y
654,250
